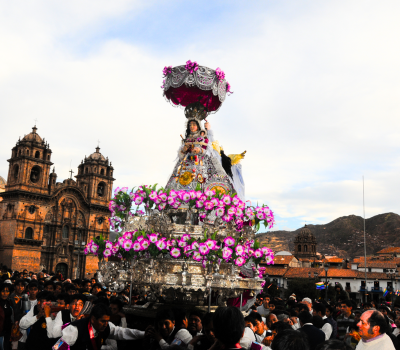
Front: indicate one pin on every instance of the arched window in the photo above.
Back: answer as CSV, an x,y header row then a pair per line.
x,y
35,174
102,171
37,154
16,171
27,152
19,153
46,229
101,189
95,170
29,233
65,232
48,157
86,170
299,248
305,248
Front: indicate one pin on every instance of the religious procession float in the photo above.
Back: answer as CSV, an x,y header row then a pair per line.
x,y
196,235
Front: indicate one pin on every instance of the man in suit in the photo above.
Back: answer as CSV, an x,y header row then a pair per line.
x,y
315,336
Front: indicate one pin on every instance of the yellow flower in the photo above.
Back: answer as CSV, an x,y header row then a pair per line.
x,y
186,178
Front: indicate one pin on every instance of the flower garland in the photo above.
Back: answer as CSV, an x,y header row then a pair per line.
x,y
230,208
138,244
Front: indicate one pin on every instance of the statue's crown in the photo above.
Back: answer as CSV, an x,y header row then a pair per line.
x,y
196,111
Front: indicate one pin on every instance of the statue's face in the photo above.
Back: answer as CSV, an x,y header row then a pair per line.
x,y
193,127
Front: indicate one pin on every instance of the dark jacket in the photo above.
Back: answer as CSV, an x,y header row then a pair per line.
x,y
315,336
333,323
83,341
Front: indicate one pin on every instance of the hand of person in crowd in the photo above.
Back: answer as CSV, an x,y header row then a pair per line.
x,y
47,309
268,340
196,339
149,331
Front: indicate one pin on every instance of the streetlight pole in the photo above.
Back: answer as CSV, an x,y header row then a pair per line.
x,y
326,283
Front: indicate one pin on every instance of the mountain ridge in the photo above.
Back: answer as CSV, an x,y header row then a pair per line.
x,y
343,236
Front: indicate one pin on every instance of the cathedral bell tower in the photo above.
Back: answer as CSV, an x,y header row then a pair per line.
x,y
95,178
30,165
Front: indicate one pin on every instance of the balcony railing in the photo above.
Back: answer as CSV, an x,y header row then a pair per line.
x,y
371,289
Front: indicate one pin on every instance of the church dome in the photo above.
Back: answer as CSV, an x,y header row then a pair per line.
x,y
305,232
97,155
33,136
2,183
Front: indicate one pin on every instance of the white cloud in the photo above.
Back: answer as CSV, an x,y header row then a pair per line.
x,y
315,96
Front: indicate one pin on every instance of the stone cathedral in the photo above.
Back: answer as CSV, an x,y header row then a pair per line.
x,y
44,224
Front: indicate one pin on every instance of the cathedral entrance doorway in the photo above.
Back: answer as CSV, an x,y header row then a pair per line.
x,y
63,269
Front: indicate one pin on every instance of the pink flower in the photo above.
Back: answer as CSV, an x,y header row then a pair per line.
x,y
127,245
182,243
107,253
269,260
231,210
175,253
219,73
215,201
153,195
210,193
153,237
193,194
167,70
171,200
220,211
191,66
226,253
86,251
195,245
109,245
121,241
140,238
162,206
94,248
239,212
260,215
236,200
229,241
138,200
197,256
202,215
161,244
173,194
137,247
226,199
176,205
199,194
239,250
211,244
240,261
226,218
258,253
187,250
163,197
203,248
208,205
145,244
185,237
186,197
199,204
127,235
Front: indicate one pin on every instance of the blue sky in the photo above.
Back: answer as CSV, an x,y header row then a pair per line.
x,y
315,103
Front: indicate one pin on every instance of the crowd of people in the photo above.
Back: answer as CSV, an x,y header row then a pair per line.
x,y
44,311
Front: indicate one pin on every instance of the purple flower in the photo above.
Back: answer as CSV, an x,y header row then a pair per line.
x,y
127,235
162,206
138,200
226,199
231,210
258,253
210,193
175,253
182,243
171,200
193,194
163,197
203,215
195,245
220,74
107,252
226,217
153,237
191,66
186,197
228,88
109,245
203,248
167,70
260,215
153,195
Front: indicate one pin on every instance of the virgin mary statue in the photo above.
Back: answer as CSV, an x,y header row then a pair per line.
x,y
201,163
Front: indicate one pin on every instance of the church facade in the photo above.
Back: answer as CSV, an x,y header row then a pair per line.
x,y
45,224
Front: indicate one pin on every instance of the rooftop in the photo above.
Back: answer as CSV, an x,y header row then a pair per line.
x,y
33,136
389,250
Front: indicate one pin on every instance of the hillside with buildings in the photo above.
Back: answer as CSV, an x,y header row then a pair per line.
x,y
343,236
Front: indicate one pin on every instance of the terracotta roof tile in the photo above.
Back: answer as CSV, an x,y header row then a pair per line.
x,y
389,250
334,260
342,273
275,271
373,275
302,272
283,259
